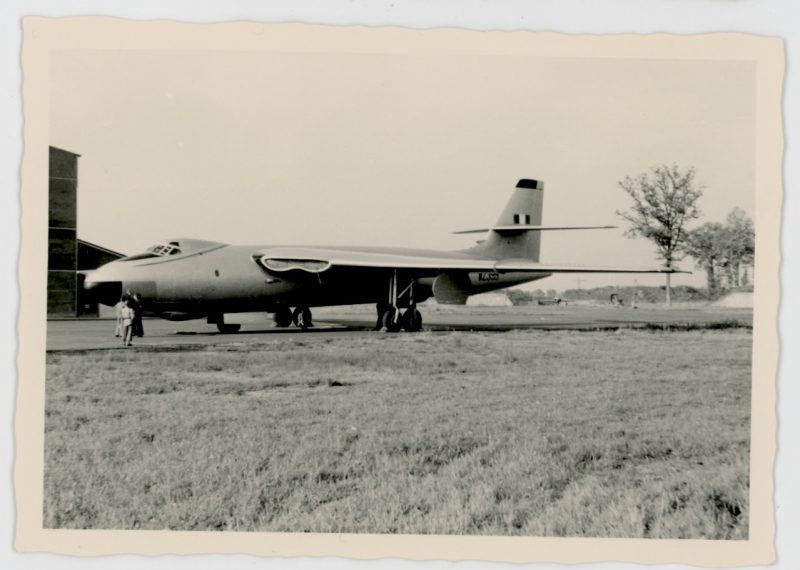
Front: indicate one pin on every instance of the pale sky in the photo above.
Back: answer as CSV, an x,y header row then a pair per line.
x,y
374,149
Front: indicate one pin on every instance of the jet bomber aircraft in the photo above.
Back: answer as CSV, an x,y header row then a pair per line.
x,y
186,279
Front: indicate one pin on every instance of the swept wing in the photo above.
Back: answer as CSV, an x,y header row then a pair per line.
x,y
318,260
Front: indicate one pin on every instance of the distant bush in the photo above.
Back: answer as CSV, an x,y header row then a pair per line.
x,y
519,297
680,294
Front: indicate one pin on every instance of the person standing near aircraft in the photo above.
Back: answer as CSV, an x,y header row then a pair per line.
x,y
118,310
136,305
126,313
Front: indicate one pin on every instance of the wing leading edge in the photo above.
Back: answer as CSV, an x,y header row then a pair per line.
x,y
318,260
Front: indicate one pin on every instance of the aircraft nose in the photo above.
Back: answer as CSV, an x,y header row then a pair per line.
x,y
102,285
89,280
95,277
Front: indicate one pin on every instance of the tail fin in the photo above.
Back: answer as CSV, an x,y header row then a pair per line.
x,y
523,209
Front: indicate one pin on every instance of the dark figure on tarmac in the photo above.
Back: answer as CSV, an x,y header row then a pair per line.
x,y
135,303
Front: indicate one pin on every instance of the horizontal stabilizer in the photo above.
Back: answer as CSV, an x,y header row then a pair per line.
x,y
519,228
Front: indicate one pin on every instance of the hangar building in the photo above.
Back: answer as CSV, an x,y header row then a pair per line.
x,y
66,253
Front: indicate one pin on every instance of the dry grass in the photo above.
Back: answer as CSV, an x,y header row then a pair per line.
x,y
523,433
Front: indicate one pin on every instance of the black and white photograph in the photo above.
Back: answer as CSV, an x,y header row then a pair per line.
x,y
405,283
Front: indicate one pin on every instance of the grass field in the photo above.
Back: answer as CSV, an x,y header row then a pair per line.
x,y
634,434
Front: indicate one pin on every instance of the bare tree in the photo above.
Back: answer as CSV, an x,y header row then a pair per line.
x,y
664,200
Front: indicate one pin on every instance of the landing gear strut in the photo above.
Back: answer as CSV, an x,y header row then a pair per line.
x,y
389,317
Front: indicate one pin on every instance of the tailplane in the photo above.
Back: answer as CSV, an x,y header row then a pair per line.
x,y
518,231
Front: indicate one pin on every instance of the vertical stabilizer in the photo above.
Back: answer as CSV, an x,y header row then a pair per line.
x,y
523,209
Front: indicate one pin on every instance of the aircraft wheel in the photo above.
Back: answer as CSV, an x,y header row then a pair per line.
x,y
228,329
380,309
302,317
389,323
411,320
283,317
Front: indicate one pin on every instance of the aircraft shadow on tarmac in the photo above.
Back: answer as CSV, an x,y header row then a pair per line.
x,y
350,326
277,330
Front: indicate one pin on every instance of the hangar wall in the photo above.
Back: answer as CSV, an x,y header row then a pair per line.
x,y
66,254
62,254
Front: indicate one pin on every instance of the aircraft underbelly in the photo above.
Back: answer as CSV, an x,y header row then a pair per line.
x,y
339,288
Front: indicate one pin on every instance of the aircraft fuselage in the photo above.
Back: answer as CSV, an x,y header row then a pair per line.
x,y
216,279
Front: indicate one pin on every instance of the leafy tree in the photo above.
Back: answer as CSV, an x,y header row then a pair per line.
x,y
664,201
739,245
706,245
723,250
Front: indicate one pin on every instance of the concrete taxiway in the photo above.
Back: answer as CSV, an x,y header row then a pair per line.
x,y
94,334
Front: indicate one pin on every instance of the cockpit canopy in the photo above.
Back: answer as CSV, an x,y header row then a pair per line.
x,y
165,249
174,247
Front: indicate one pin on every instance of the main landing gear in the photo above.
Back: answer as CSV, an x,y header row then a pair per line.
x,y
390,319
301,317
283,317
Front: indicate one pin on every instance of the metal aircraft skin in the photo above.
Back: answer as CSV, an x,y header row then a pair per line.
x,y
187,278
